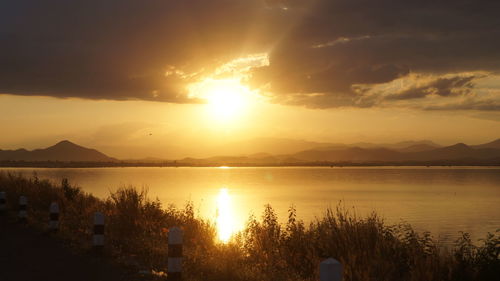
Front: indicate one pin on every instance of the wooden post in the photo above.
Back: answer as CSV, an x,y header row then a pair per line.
x,y
23,209
54,217
98,239
174,270
330,270
3,202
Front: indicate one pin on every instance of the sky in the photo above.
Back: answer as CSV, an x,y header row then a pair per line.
x,y
176,78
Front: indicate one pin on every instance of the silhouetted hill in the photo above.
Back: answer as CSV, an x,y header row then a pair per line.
x,y
395,146
275,146
417,148
260,159
404,153
352,154
494,144
454,152
458,151
64,151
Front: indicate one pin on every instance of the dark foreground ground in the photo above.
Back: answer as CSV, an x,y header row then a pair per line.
x,y
26,254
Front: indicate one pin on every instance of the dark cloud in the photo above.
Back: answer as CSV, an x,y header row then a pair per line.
x,y
120,49
339,47
322,53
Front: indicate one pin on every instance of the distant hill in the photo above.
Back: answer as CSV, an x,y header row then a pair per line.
x,y
418,148
417,152
411,152
455,152
420,152
64,151
351,154
396,146
275,146
494,144
281,146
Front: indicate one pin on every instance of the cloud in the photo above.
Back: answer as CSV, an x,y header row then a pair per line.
x,y
441,86
340,47
322,53
119,49
469,104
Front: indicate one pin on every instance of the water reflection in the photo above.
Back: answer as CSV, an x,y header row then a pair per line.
x,y
225,216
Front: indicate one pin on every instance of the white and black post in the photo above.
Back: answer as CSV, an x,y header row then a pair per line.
x,y
54,217
23,209
98,239
174,270
330,270
3,202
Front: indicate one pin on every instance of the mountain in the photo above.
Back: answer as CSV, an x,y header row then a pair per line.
x,y
281,146
396,146
419,152
494,144
403,145
417,148
455,152
275,146
64,151
351,154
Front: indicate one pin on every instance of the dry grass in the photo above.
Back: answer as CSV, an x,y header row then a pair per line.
x,y
136,236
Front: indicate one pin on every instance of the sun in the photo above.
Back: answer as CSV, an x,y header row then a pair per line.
x,y
226,99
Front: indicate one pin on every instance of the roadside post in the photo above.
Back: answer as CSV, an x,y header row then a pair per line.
x,y
330,270
54,217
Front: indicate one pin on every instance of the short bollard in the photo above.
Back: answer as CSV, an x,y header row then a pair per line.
x,y
23,209
3,202
174,270
54,217
98,239
330,270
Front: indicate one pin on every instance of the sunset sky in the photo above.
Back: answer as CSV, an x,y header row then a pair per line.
x,y
174,78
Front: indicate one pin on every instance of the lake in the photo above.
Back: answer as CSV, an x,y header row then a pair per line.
x,y
443,200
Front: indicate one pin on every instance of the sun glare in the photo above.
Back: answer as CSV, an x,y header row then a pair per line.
x,y
225,219
227,99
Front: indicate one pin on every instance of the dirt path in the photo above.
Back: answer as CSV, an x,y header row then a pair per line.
x,y
28,255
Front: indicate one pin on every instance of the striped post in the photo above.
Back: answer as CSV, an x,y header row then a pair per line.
x,y
98,239
54,217
174,270
23,209
330,270
3,202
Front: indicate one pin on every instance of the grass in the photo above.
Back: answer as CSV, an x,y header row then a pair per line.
x,y
369,249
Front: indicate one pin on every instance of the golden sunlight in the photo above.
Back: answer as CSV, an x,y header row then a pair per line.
x,y
225,219
226,99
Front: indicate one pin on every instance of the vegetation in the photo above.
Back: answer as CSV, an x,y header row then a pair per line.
x,y
137,229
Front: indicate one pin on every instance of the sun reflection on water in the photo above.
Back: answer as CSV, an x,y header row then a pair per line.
x,y
225,216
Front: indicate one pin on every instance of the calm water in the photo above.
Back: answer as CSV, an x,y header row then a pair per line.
x,y
441,200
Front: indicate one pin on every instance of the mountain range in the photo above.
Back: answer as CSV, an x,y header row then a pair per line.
x,y
358,153
64,151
